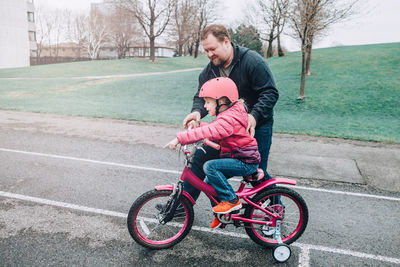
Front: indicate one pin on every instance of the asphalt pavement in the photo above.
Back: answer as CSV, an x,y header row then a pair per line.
x,y
312,159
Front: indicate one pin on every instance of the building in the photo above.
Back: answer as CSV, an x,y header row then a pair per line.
x,y
17,33
71,51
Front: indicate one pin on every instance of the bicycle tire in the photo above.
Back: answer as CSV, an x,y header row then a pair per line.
x,y
145,228
292,207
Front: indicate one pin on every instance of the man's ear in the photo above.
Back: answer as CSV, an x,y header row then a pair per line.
x,y
227,40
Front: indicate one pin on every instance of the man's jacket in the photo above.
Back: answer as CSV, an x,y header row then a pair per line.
x,y
229,130
254,80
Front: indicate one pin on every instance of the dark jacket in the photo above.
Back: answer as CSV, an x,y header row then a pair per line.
x,y
254,80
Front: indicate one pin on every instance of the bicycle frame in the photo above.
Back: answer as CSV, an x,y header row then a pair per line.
x,y
243,193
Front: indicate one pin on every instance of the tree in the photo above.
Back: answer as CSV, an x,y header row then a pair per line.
x,y
76,32
281,18
183,16
310,18
153,17
247,36
204,16
50,29
122,28
95,33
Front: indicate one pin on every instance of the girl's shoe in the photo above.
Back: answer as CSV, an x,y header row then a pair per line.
x,y
215,223
226,207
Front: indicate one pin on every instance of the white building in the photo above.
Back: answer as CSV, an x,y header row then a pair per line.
x,y
17,33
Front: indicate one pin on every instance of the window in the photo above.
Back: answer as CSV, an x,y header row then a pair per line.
x,y
31,17
32,36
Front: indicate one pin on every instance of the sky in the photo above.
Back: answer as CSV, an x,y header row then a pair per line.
x,y
380,22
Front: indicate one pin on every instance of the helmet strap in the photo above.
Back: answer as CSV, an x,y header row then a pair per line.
x,y
220,105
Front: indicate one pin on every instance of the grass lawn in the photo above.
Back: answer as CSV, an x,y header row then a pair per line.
x,y
354,91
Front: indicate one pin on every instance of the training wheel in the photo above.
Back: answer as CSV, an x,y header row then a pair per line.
x,y
281,253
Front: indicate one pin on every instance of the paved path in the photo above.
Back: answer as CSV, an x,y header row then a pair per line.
x,y
316,160
103,76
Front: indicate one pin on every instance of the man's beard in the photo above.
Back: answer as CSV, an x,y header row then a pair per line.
x,y
220,63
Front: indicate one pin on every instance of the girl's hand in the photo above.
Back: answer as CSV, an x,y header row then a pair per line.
x,y
172,144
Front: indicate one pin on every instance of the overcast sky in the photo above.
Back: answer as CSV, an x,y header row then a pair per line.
x,y
381,24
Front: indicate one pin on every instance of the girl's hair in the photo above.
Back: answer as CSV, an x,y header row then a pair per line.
x,y
230,104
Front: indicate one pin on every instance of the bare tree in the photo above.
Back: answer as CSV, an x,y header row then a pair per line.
x,y
269,17
183,18
310,18
283,10
95,33
204,16
59,21
76,33
268,12
41,30
153,16
123,29
50,29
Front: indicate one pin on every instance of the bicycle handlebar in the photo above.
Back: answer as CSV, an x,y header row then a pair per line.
x,y
211,144
207,142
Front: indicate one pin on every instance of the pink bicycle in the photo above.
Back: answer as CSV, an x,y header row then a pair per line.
x,y
273,217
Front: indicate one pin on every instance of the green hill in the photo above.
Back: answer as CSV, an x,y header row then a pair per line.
x,y
354,91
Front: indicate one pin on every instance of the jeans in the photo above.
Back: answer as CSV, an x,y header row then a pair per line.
x,y
263,136
217,171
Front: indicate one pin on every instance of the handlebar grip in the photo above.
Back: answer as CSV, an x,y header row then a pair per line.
x,y
209,143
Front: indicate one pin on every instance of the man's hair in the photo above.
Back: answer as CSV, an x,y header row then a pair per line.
x,y
218,30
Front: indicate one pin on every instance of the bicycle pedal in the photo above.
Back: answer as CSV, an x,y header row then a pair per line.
x,y
234,212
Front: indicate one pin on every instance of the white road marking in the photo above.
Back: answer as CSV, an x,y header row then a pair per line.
x,y
89,161
179,172
305,248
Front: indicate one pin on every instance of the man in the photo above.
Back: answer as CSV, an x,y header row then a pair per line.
x,y
256,86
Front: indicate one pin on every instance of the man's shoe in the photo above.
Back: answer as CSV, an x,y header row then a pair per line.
x,y
215,223
226,207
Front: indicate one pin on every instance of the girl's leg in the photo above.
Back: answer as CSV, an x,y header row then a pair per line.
x,y
198,161
216,170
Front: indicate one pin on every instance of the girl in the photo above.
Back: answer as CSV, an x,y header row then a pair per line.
x,y
239,154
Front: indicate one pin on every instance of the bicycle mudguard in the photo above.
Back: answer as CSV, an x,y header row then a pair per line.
x,y
266,184
170,187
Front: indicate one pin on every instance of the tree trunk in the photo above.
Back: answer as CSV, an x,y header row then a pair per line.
x,y
180,50
308,51
280,51
196,48
152,49
269,50
303,73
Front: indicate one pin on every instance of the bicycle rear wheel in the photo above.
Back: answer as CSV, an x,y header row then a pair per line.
x,y
145,221
286,203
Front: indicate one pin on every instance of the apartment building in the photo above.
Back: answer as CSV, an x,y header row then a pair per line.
x,y
17,33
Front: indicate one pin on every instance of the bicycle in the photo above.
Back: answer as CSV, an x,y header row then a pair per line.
x,y
273,217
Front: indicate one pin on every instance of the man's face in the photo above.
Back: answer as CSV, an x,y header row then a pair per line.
x,y
218,52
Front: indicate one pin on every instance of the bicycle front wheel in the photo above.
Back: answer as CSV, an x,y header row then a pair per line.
x,y
145,223
288,205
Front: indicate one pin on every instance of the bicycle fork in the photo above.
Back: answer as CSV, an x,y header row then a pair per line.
x,y
173,203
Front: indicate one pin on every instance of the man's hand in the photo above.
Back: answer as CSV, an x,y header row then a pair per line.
x,y
251,126
172,144
192,119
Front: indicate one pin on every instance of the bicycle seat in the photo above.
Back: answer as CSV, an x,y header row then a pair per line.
x,y
256,176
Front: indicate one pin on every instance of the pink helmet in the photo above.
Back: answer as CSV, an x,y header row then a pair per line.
x,y
220,87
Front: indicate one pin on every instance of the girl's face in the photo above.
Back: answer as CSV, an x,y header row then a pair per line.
x,y
210,104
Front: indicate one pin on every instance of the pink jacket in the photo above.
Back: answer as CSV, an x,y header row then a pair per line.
x,y
229,130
